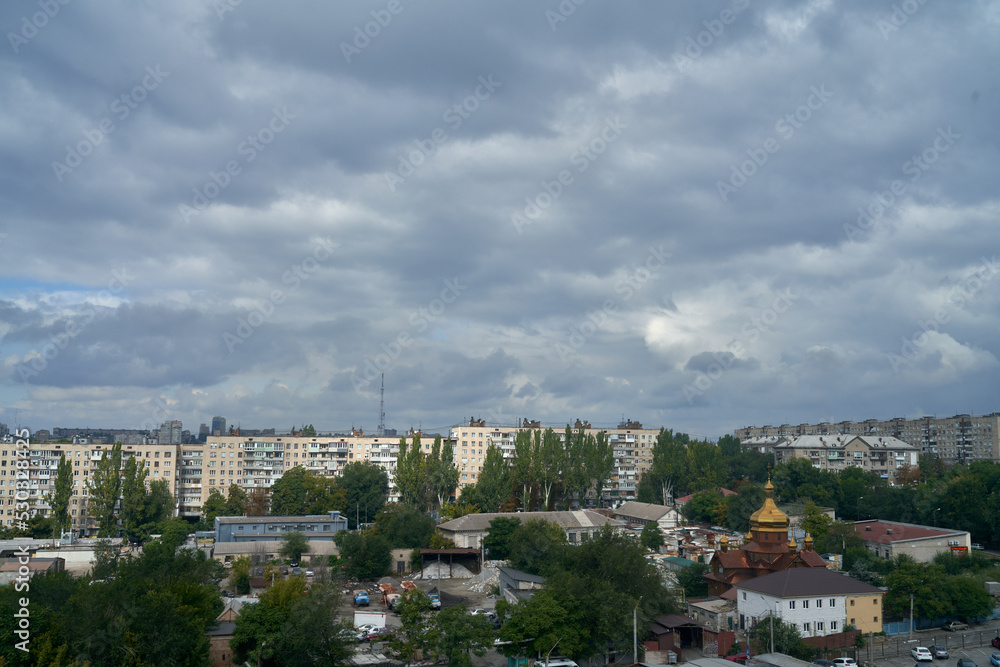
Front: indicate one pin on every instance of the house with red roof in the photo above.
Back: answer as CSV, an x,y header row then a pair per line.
x,y
888,539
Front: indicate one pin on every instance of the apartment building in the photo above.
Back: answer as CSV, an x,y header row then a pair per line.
x,y
160,461
880,454
959,439
253,462
633,450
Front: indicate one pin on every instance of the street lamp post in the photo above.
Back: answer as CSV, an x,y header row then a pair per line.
x,y
858,507
936,510
635,631
550,651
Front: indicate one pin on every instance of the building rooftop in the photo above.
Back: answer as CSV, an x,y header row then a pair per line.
x,y
889,532
308,518
806,582
643,511
839,441
577,519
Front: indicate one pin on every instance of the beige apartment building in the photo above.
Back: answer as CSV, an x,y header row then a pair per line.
x,y
160,462
254,462
880,454
960,439
633,450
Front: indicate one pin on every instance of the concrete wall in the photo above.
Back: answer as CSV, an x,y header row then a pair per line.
x,y
819,610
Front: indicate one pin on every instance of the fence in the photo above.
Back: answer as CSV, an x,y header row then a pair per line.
x,y
900,645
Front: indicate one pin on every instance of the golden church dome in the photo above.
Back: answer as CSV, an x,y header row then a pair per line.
x,y
769,518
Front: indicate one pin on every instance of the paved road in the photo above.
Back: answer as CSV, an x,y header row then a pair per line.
x,y
895,651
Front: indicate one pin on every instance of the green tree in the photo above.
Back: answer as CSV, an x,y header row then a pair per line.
x,y
366,554
366,489
236,501
59,498
309,431
499,535
739,507
417,633
787,639
133,490
599,462
239,575
259,627
440,472
462,635
494,484
404,527
105,490
523,467
816,523
707,507
299,492
692,580
551,464
258,502
651,537
669,470
536,547
409,475
293,545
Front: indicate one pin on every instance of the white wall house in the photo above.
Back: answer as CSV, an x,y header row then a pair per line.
x,y
817,601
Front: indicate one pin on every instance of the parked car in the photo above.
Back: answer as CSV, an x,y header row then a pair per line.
x,y
741,658
955,626
296,571
939,652
965,662
559,661
995,659
361,598
379,634
823,663
435,601
845,662
310,573
921,653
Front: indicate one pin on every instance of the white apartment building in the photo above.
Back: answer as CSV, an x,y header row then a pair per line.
x,y
633,450
960,439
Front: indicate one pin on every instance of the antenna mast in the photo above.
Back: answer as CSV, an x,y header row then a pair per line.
x,y
381,409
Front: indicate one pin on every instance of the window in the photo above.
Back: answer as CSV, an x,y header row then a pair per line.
x,y
852,622
833,602
819,626
852,604
805,627
833,625
791,605
744,596
805,604
819,604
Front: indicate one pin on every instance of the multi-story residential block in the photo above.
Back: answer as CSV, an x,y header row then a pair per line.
x,y
253,462
633,450
43,458
959,439
880,454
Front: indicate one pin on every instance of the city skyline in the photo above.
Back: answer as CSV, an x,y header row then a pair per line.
x,y
699,217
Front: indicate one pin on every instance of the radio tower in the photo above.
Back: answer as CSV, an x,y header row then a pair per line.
x,y
381,409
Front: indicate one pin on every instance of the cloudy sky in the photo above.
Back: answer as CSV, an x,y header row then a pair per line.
x,y
697,215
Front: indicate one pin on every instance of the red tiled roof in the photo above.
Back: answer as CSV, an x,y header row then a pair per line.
x,y
900,531
724,492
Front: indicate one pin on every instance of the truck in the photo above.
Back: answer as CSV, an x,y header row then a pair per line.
x,y
375,619
361,599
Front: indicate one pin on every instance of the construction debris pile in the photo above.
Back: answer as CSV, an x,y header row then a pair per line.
x,y
485,581
437,570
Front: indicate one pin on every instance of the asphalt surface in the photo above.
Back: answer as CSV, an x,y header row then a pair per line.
x,y
972,644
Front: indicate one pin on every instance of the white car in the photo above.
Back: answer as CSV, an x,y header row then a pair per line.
x,y
922,653
845,662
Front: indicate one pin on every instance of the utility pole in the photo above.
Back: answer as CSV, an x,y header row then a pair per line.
x,y
635,632
911,615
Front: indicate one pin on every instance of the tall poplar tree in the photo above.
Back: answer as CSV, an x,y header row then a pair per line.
x,y
105,490
59,499
523,468
409,477
133,492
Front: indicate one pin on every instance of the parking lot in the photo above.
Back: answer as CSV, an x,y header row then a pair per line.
x,y
895,651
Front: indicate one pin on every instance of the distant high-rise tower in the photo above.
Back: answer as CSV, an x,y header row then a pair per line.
x,y
218,425
381,409
170,432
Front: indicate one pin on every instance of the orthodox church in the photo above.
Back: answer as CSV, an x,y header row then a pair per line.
x,y
767,549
